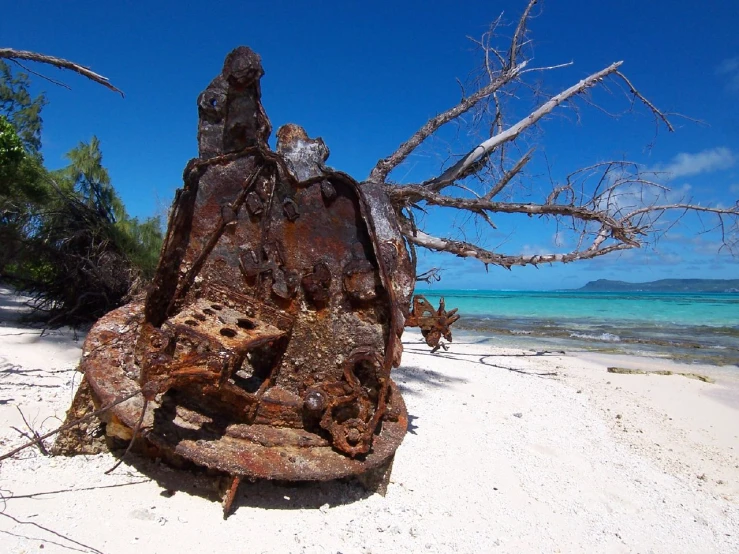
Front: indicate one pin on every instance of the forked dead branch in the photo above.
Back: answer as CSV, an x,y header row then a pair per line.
x,y
607,207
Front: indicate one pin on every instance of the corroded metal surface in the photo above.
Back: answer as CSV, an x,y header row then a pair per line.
x,y
187,425
434,324
265,345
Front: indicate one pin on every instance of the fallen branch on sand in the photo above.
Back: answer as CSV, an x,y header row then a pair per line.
x,y
33,436
627,371
68,426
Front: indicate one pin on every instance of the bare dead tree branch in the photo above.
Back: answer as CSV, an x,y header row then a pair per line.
x,y
514,131
61,63
417,192
32,72
626,212
602,208
430,276
510,174
733,211
386,165
498,79
34,435
518,35
469,250
641,97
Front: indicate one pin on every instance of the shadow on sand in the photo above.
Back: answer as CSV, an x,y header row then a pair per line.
x,y
484,359
258,493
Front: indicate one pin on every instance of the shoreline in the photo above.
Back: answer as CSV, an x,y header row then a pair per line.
x,y
688,327
679,351
507,449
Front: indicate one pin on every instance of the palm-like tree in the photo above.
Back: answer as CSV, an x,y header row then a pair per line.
x,y
87,175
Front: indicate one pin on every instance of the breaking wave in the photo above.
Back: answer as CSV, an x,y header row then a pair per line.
x,y
605,337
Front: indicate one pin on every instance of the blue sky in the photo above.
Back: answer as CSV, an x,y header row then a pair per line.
x,y
364,76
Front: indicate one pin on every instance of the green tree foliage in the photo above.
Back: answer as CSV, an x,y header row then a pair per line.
x,y
66,235
87,179
20,171
20,140
90,179
11,147
22,185
22,191
22,111
142,242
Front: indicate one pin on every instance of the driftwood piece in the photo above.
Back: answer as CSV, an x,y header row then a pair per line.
x,y
689,375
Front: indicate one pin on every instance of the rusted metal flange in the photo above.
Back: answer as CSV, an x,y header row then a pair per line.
x,y
178,425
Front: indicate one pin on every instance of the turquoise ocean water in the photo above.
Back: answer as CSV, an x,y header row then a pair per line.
x,y
694,328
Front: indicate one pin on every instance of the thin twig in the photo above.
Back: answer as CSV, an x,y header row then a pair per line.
x,y
34,434
70,425
46,529
641,97
32,72
136,430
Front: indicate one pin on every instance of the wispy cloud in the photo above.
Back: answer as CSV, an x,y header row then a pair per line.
x,y
734,188
678,195
686,164
729,69
669,258
617,260
559,238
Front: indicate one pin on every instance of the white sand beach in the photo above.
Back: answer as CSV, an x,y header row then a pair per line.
x,y
507,451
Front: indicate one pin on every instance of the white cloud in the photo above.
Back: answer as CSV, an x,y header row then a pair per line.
x,y
669,258
681,194
729,69
686,164
672,236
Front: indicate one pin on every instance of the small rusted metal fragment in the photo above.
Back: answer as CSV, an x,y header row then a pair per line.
x,y
254,204
317,284
360,280
291,209
434,324
328,191
231,496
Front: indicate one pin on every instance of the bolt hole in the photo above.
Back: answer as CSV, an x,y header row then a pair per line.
x,y
216,307
208,311
191,322
246,323
226,332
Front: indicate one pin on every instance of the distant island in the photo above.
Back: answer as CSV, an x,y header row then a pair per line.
x,y
664,285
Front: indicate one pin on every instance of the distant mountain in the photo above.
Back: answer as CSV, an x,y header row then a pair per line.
x,y
664,285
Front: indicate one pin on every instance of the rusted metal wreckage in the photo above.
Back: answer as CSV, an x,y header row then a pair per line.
x,y
265,344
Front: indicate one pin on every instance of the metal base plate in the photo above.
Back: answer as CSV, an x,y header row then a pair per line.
x,y
248,450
